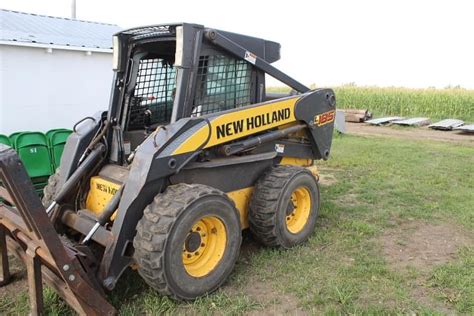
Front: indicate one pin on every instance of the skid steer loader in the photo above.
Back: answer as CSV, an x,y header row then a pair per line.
x,y
190,152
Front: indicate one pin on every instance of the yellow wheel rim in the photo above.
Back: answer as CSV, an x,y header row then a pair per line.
x,y
298,210
204,246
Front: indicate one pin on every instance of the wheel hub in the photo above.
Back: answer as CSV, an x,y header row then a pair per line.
x,y
193,242
298,210
290,209
204,246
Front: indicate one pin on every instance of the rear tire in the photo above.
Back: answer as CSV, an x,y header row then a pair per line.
x,y
188,241
284,206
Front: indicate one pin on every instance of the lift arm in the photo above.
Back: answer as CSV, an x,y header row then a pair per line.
x,y
234,48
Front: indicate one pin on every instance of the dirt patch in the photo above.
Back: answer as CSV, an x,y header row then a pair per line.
x,y
18,282
270,300
348,199
249,247
423,295
423,245
327,179
273,302
420,133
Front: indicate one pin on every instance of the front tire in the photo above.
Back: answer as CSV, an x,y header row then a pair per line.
x,y
188,241
284,206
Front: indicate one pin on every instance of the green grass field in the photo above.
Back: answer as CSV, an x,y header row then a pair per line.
x,y
433,103
379,186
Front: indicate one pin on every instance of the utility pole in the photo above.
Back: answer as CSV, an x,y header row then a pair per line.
x,y
73,9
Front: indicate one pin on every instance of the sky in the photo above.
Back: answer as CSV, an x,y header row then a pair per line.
x,y
413,43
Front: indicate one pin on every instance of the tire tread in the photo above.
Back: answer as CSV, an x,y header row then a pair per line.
x,y
155,226
263,205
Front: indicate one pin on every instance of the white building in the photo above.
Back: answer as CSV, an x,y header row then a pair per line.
x,y
53,71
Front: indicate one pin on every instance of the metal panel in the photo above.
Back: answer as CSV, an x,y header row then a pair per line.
x,y
383,120
41,29
466,128
340,123
416,121
446,125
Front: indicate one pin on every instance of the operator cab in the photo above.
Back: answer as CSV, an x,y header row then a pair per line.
x,y
152,63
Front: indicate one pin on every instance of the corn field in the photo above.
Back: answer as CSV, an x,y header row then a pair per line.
x,y
433,103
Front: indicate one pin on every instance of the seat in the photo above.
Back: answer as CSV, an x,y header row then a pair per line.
x,y
56,140
5,140
33,150
13,138
52,131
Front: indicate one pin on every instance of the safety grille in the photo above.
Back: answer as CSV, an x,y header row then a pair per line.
x,y
222,83
154,91
149,31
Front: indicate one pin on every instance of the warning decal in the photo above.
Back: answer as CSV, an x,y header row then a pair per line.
x,y
250,57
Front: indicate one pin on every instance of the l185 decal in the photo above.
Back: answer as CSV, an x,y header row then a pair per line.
x,y
324,118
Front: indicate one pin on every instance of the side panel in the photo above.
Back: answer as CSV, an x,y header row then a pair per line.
x,y
241,199
100,193
241,122
225,178
315,108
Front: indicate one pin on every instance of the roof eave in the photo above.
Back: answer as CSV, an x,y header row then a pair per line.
x,y
54,46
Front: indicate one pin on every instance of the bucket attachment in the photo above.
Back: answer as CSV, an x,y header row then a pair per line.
x,y
27,232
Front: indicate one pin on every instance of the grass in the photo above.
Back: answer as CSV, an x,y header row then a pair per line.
x,y
433,103
342,269
455,289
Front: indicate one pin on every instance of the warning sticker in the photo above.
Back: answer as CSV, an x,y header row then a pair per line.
x,y
280,148
250,57
127,148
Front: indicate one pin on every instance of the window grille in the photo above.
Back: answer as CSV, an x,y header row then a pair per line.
x,y
154,90
222,83
150,31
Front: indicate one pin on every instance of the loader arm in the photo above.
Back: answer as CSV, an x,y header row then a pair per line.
x,y
251,120
226,43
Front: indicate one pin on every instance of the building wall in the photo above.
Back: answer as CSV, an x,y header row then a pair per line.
x,y
40,91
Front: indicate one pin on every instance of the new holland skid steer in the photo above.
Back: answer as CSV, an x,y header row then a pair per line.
x,y
190,152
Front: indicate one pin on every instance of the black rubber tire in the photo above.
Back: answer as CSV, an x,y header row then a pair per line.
x,y
269,202
161,233
49,191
